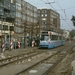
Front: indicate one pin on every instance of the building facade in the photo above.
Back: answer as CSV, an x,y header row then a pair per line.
x,y
48,19
26,20
66,34
20,19
7,17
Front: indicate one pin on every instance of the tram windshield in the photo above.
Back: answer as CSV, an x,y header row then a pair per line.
x,y
45,37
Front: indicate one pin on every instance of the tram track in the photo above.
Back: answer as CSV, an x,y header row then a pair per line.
x,y
33,67
9,60
32,56
18,58
58,60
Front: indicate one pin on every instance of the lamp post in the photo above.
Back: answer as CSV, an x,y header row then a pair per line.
x,y
11,33
37,29
25,34
1,30
4,28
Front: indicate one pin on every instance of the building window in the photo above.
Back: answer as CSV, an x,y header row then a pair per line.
x,y
24,17
44,18
12,1
51,19
35,9
18,22
18,6
18,14
44,11
19,30
44,15
5,27
38,11
11,28
1,11
18,1
44,23
0,27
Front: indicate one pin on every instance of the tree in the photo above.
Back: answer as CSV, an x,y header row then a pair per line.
x,y
73,20
72,33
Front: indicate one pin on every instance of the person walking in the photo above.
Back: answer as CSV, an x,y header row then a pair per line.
x,y
33,43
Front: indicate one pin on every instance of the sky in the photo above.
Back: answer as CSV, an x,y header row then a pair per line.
x,y
66,8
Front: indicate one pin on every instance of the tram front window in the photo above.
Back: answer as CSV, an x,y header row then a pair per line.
x,y
46,38
42,38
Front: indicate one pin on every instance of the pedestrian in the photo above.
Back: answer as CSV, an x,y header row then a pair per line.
x,y
33,43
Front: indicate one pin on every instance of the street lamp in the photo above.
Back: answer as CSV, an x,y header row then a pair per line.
x,y
10,35
25,33
1,31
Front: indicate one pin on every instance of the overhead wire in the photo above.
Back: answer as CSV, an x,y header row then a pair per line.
x,y
67,8
64,13
61,7
62,10
42,1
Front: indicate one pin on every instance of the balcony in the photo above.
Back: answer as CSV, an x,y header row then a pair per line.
x,y
7,15
7,0
12,7
12,14
1,4
1,11
6,5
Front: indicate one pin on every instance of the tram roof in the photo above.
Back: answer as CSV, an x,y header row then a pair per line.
x,y
50,33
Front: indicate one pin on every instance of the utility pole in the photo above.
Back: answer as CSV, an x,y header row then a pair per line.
x,y
4,28
32,30
1,31
37,29
25,34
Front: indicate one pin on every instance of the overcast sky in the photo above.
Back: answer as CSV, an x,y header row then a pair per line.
x,y
66,8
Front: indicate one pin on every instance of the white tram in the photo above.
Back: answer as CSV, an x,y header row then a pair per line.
x,y
49,39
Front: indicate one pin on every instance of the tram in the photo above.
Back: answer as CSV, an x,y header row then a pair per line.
x,y
50,39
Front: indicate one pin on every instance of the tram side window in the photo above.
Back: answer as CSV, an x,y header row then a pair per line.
x,y
54,37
